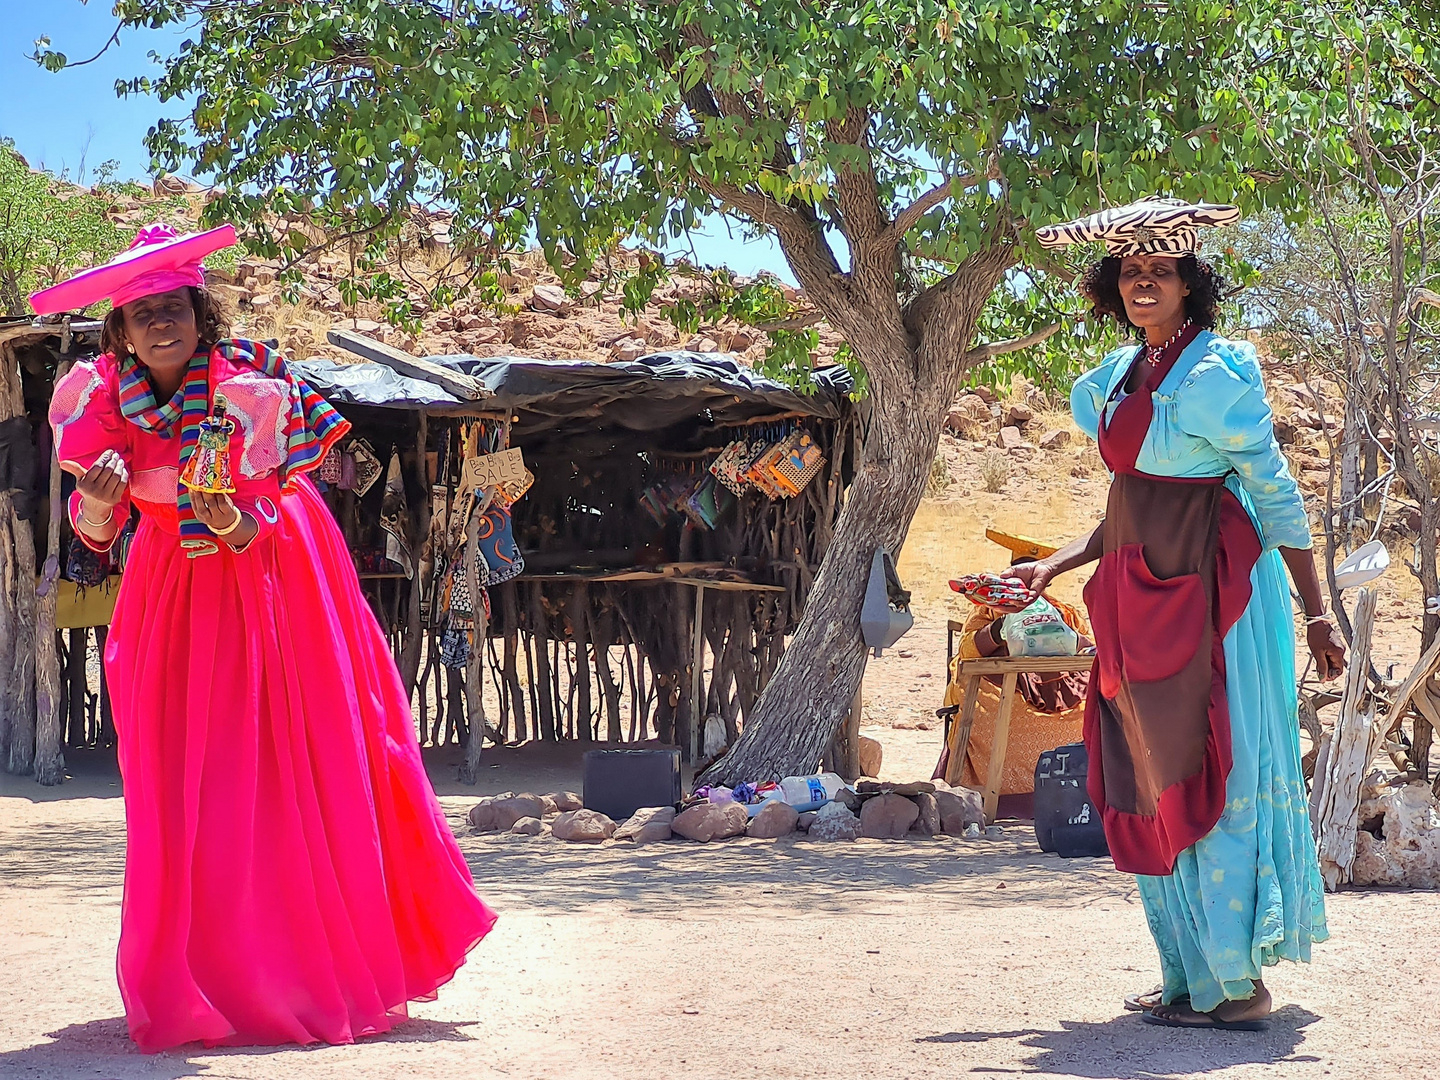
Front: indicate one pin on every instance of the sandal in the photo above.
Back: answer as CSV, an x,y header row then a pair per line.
x,y
1209,1021
1146,1001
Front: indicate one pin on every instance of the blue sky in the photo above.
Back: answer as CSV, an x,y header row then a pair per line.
x,y
73,119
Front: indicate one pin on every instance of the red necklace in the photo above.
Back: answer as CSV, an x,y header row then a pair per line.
x,y
1155,353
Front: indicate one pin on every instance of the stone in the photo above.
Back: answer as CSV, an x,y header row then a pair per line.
x,y
629,348
702,344
994,832
887,817
710,821
473,322
648,825
583,826
928,822
1019,415
1285,432
510,810
834,821
1054,440
550,805
528,826
262,302
849,799
1023,452
959,808
483,816
550,298
1010,438
985,394
775,819
872,754
972,831
805,820
740,340
233,295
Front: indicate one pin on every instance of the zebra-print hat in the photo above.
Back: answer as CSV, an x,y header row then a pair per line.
x,y
1156,226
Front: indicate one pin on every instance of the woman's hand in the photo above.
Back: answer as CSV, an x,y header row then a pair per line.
x,y
1035,576
1328,648
103,486
220,515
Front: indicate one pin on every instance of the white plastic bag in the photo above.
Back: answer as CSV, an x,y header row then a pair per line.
x,y
1039,630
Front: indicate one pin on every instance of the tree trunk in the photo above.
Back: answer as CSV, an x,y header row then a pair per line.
x,y
815,683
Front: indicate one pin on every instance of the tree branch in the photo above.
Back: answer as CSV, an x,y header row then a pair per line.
x,y
908,218
800,322
1000,348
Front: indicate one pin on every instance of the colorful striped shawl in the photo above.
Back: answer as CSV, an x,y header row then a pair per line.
x,y
311,428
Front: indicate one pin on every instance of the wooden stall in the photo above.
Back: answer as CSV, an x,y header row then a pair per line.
x,y
623,625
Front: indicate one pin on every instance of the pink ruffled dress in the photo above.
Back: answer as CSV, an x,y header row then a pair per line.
x,y
289,875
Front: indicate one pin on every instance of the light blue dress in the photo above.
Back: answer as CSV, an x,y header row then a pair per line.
x,y
1249,893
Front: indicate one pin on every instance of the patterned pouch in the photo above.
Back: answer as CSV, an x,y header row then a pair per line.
x,y
498,548
455,648
800,464
726,468
329,469
85,566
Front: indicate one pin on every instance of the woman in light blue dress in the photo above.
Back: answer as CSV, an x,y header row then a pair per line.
x,y
1191,723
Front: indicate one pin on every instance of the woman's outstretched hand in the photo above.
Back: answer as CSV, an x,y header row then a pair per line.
x,y
1035,576
103,485
1328,648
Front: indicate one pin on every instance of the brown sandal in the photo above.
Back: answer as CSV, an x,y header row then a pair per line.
x,y
1146,1001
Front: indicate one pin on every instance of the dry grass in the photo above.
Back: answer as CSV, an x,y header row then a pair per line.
x,y
300,328
938,482
994,471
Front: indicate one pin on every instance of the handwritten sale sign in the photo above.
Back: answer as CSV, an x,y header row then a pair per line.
x,y
492,470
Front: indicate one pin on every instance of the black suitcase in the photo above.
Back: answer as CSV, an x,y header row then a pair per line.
x,y
1065,822
619,782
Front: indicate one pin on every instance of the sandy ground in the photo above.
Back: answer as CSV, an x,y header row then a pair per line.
x,y
766,959
791,958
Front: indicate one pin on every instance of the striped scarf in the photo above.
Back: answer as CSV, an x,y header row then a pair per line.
x,y
311,428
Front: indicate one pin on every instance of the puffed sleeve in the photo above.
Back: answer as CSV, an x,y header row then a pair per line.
x,y
1087,396
85,417
1222,401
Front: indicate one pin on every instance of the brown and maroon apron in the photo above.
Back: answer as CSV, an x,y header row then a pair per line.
x,y
1173,578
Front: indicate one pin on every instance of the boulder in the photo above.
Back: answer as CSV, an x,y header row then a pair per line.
x,y
985,394
872,754
500,812
959,807
550,298
647,826
702,344
849,799
1054,440
528,826
928,823
887,817
710,821
805,820
629,348
567,800
1019,415
775,819
583,826
550,805
834,821
1010,438
909,789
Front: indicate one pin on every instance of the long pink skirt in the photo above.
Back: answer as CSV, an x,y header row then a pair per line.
x,y
289,875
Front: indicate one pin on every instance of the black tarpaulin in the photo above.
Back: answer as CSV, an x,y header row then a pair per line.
x,y
648,394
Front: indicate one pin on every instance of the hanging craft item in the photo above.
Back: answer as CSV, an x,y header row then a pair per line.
x,y
726,468
208,469
367,466
488,471
330,470
392,518
509,492
798,465
496,544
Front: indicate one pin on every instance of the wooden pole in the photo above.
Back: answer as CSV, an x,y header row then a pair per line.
x,y
998,746
49,757
17,601
474,670
697,662
76,684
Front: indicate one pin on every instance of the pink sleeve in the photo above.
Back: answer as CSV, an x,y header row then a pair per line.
x,y
261,500
86,419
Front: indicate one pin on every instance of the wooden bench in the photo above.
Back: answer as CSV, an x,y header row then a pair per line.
x,y
968,674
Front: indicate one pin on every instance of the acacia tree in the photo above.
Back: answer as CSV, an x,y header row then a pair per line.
x,y
930,136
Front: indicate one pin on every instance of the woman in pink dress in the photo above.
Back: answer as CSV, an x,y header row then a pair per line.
x,y
289,875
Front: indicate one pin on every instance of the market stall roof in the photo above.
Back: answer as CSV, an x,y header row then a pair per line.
x,y
648,394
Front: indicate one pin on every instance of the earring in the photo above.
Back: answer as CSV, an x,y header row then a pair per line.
x,y
130,347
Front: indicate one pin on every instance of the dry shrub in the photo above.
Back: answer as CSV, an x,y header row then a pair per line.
x,y
994,471
938,481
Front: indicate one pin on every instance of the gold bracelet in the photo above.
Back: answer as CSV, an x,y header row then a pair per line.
x,y
239,520
96,524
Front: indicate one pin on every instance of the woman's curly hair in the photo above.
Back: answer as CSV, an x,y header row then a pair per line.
x,y
209,317
1101,286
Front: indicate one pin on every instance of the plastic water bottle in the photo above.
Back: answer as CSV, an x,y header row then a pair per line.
x,y
808,792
